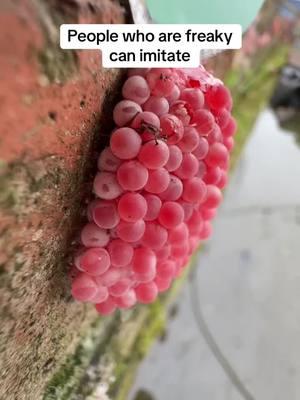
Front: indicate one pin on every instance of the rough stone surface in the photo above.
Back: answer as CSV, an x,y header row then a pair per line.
x,y
54,117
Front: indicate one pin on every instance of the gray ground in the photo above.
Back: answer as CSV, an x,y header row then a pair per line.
x,y
248,282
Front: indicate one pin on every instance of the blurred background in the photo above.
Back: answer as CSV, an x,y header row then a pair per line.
x,y
233,332
229,329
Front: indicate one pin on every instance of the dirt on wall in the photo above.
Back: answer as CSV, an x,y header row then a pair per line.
x,y
55,115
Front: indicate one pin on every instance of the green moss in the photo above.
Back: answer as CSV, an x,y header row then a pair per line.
x,y
63,382
104,342
7,195
155,324
251,91
67,379
58,65
125,369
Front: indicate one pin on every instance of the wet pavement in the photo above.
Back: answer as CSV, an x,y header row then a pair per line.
x,y
247,287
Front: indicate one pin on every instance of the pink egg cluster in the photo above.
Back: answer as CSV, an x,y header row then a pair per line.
x,y
158,186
